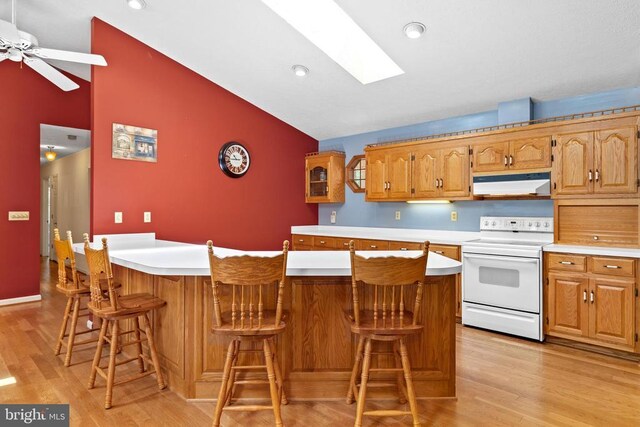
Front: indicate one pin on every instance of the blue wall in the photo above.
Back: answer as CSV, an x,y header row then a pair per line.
x,y
355,212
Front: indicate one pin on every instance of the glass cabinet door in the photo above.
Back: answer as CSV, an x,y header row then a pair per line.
x,y
318,182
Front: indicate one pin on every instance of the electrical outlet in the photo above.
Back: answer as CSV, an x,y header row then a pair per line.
x,y
397,215
147,217
333,217
454,216
118,218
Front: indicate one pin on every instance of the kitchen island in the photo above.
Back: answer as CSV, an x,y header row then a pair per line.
x,y
316,351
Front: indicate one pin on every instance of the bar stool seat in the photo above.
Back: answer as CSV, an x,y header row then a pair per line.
x,y
369,325
130,306
253,283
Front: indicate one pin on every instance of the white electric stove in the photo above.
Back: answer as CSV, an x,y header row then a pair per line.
x,y
502,275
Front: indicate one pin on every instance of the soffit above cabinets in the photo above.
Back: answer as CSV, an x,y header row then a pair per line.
x,y
472,55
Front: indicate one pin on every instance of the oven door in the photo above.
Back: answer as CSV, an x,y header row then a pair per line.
x,y
502,281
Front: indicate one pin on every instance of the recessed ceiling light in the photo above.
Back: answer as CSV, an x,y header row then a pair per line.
x,y
414,30
300,70
137,4
329,27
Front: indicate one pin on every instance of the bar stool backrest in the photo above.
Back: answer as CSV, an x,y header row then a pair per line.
x,y
99,266
387,278
253,280
64,252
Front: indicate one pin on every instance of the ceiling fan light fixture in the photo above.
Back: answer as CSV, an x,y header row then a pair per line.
x,y
50,155
15,55
137,4
300,70
414,30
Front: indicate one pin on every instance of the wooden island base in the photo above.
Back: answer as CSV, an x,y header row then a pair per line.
x,y
317,350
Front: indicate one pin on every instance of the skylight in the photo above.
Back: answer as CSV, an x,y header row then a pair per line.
x,y
329,27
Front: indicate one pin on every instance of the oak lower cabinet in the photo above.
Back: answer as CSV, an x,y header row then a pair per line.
x,y
583,303
597,162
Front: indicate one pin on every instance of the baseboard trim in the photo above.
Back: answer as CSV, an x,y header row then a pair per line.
x,y
20,300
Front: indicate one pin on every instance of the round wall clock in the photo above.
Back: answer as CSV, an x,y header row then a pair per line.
x,y
234,159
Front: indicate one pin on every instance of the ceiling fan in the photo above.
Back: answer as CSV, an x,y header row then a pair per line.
x,y
20,46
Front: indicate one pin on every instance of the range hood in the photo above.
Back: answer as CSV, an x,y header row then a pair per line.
x,y
524,184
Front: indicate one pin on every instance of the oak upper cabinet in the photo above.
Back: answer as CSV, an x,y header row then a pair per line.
x,y
599,162
616,162
441,173
491,157
324,177
611,316
388,174
568,311
530,153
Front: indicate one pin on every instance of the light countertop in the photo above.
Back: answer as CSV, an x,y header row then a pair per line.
x,y
593,250
444,237
143,252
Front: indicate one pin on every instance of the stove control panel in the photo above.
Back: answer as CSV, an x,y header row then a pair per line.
x,y
520,223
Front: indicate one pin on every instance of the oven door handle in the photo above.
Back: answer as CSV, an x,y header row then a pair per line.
x,y
504,258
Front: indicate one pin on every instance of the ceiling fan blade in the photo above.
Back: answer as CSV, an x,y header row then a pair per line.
x,y
64,55
3,56
9,32
47,71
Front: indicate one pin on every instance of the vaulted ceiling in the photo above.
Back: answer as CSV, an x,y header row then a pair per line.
x,y
473,55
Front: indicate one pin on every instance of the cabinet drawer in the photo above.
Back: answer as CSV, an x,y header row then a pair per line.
x,y
343,244
405,246
452,252
612,266
373,245
321,242
301,242
566,262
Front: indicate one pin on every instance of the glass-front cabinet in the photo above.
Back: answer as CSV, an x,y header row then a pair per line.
x,y
324,177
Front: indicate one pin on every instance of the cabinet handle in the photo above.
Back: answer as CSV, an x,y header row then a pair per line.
x,y
510,160
301,240
612,266
438,252
590,175
441,182
322,242
592,297
437,182
595,237
584,296
597,175
373,246
506,161
346,244
566,262
403,249
389,188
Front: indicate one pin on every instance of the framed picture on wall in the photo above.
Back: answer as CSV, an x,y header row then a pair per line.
x,y
134,143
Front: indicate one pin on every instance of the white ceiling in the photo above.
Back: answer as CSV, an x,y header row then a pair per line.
x,y
58,138
473,55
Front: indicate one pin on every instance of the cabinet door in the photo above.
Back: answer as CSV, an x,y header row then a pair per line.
x,y
573,168
530,153
399,174
376,175
568,309
611,310
317,170
454,171
425,173
491,157
616,161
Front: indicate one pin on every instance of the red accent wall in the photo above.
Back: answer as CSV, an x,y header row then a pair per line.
x,y
189,197
27,100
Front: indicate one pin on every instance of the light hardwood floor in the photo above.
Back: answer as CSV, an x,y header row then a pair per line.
x,y
502,381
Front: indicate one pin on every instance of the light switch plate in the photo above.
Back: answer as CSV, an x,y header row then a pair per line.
x,y
118,218
147,217
454,216
333,217
18,215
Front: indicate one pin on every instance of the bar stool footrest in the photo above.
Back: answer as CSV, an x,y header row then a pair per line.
x,y
386,413
240,408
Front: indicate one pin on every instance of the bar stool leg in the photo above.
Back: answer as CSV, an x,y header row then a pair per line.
x,y
136,328
72,331
98,355
353,389
276,367
366,364
115,333
411,395
402,391
273,387
63,326
232,376
154,354
222,395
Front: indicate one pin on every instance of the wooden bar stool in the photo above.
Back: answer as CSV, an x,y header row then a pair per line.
x,y
255,282
384,281
113,308
75,291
